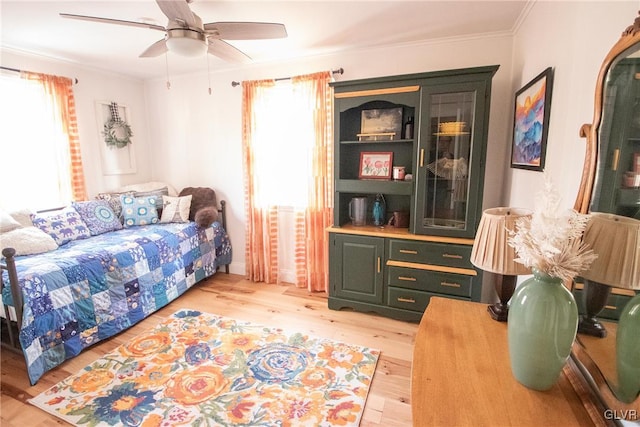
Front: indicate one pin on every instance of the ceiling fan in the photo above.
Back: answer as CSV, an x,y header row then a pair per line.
x,y
185,34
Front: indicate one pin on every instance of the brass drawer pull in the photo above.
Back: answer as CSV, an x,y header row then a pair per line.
x,y
407,251
379,269
452,256
408,279
451,285
411,300
611,307
615,160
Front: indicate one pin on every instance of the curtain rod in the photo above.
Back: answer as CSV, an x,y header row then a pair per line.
x,y
338,71
16,70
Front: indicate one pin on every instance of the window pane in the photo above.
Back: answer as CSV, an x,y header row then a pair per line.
x,y
35,166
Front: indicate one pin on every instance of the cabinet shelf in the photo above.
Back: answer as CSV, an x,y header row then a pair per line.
x,y
403,188
393,141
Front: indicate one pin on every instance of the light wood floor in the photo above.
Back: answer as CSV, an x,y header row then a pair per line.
x,y
283,306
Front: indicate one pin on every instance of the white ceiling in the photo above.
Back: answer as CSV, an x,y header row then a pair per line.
x,y
313,27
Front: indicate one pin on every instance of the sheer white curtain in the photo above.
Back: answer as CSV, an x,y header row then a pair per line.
x,y
36,169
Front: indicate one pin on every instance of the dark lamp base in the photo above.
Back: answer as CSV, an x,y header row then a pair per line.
x,y
595,298
591,326
505,286
499,312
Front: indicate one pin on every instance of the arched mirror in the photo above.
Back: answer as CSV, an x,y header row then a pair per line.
x,y
611,184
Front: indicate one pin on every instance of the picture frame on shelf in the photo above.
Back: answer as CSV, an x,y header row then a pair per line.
x,y
383,122
375,165
531,122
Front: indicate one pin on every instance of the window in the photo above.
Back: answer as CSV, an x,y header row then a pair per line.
x,y
35,167
283,139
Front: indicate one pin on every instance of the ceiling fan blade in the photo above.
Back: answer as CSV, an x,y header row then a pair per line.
x,y
112,21
227,52
178,10
156,49
245,30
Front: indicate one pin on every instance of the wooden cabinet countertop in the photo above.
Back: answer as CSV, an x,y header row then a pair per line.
x,y
461,375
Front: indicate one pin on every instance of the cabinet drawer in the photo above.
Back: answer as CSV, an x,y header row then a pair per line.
x,y
433,281
446,254
410,299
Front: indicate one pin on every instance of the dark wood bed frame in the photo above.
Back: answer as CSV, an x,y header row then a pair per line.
x,y
10,328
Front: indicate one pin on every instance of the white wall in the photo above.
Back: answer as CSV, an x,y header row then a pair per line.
x,y
573,38
95,86
575,41
199,135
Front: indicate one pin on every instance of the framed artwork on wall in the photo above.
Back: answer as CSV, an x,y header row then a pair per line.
x,y
531,122
375,165
115,138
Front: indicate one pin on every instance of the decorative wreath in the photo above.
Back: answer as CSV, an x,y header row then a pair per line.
x,y
117,133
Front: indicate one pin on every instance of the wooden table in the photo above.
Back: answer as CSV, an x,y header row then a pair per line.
x,y
461,375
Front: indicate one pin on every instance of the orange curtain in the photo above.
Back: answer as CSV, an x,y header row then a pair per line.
x,y
311,237
60,89
313,94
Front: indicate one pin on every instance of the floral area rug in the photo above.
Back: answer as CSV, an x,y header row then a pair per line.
x,y
199,369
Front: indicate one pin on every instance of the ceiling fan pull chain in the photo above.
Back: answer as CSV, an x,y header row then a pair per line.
x,y
166,60
209,74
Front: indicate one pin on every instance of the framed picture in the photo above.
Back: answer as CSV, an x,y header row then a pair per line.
x,y
531,123
375,165
383,122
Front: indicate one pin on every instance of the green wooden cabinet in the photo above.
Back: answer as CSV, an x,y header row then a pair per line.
x,y
395,274
433,125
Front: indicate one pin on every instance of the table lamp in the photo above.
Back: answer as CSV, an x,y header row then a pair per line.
x,y
614,239
492,253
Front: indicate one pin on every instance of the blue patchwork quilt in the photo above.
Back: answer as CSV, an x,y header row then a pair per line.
x,y
91,289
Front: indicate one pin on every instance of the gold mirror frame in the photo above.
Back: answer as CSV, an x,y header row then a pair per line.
x,y
584,374
629,38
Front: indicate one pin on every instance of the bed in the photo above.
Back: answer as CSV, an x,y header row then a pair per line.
x,y
88,290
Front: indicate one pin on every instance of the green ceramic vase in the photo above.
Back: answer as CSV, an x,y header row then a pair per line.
x,y
628,351
542,325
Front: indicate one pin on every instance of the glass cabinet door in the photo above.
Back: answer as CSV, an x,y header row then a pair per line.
x,y
447,194
617,188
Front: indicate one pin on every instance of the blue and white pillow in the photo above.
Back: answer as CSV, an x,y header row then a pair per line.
x,y
139,210
98,216
64,225
114,201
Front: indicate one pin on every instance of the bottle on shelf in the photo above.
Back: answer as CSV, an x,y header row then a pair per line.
x,y
408,128
379,210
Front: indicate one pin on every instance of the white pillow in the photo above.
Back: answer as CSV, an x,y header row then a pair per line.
x,y
7,223
149,186
28,241
175,209
23,216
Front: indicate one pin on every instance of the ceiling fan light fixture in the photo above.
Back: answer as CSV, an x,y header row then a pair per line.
x,y
186,42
